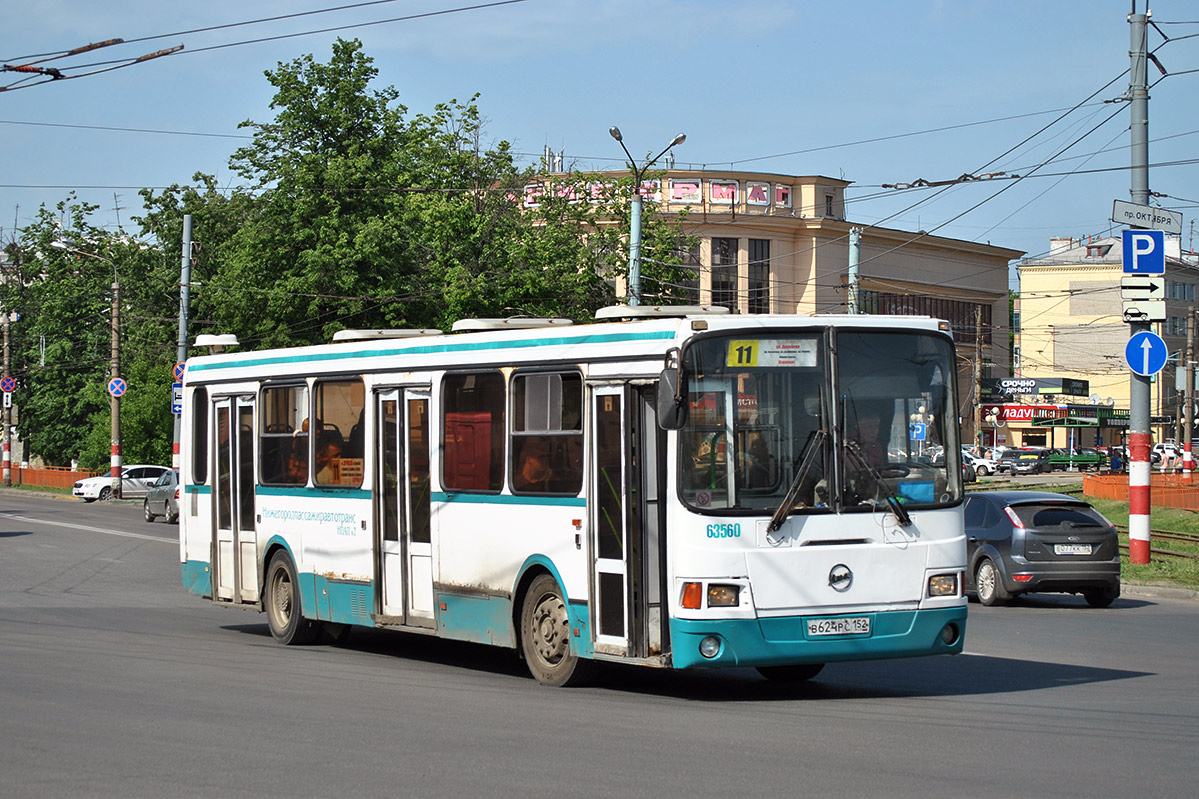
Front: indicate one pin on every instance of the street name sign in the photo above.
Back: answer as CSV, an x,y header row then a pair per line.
x,y
1144,252
1146,353
1125,213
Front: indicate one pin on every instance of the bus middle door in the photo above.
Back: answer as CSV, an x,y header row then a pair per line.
x,y
626,523
405,545
236,556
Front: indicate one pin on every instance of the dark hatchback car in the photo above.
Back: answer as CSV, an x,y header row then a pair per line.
x,y
1021,542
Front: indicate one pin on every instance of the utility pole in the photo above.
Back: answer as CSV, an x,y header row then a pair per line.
x,y
114,396
978,378
7,408
185,271
852,304
1188,461
1139,438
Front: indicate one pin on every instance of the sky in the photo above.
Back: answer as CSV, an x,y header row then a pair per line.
x,y
874,92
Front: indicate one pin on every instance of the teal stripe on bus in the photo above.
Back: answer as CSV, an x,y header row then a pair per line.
x,y
305,491
508,499
603,338
197,489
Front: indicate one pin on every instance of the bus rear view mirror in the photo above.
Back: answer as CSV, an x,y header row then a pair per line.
x,y
672,409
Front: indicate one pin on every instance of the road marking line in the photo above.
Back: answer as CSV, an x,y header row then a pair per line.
x,y
90,529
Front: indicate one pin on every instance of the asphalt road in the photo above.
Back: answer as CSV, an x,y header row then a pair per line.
x,y
116,683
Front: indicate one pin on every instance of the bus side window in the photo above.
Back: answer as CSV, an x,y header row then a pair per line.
x,y
547,433
473,414
339,406
200,433
283,439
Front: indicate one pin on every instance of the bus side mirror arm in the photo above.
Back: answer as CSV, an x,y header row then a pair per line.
x,y
672,407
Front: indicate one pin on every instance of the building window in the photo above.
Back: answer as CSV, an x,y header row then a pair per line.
x,y
724,273
759,275
960,315
828,205
687,251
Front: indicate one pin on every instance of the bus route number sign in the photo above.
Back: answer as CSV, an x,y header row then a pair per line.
x,y
798,352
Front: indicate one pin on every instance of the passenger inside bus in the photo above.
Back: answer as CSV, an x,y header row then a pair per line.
x,y
533,472
328,458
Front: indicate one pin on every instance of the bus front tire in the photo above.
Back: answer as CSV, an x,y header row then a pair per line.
x,y
545,636
287,623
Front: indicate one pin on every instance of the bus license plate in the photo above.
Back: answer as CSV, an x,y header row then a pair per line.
x,y
855,625
1072,549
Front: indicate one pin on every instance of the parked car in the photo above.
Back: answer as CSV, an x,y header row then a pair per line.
x,y
1028,541
1031,461
982,466
162,498
135,481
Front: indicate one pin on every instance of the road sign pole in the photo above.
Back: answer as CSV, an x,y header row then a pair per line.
x,y
1139,442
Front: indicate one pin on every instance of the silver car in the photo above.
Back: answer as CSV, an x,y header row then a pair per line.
x,y
162,498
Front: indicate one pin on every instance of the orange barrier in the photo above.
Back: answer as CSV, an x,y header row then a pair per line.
x,y
48,476
1166,490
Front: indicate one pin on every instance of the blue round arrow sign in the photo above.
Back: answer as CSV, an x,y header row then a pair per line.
x,y
1146,353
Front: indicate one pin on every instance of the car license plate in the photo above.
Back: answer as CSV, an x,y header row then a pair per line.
x,y
1072,549
854,625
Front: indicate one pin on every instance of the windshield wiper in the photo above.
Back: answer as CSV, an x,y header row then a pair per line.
x,y
808,458
854,450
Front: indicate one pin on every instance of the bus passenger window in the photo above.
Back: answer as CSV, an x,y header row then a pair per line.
x,y
547,433
283,438
199,462
473,414
338,413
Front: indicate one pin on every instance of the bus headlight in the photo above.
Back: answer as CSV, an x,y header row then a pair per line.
x,y
943,585
709,647
723,596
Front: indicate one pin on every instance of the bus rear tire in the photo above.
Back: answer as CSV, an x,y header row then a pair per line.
x,y
800,672
287,623
545,636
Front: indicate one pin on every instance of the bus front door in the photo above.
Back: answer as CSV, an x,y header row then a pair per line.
x,y
627,544
405,545
235,559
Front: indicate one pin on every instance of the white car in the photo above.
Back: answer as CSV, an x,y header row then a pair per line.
x,y
982,466
135,481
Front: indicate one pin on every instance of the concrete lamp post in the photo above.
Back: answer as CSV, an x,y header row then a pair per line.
x,y
635,214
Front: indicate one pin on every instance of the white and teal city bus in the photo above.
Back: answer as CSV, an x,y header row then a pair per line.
x,y
669,487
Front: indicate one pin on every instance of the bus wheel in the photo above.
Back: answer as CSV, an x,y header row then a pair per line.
x,y
287,624
545,636
801,672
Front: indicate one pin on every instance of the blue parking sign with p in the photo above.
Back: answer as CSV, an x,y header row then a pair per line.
x,y
1144,252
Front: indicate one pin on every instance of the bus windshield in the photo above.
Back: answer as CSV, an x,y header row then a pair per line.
x,y
778,416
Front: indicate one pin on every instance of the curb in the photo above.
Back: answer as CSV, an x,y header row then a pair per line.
x,y
1154,591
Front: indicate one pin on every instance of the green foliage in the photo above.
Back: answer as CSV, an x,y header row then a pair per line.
x,y
357,214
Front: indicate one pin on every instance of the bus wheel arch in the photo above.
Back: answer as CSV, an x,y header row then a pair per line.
x,y
543,632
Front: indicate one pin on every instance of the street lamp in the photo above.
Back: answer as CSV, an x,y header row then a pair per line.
x,y
635,215
114,362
